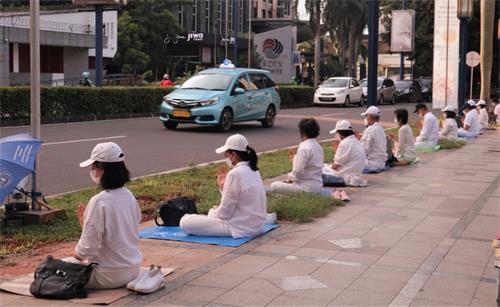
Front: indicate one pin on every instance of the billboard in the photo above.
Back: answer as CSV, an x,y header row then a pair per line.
x,y
446,49
402,31
276,49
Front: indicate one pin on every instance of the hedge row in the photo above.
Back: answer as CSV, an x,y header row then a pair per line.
x,y
62,104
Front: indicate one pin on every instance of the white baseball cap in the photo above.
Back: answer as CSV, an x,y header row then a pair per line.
x,y
373,110
105,152
235,142
449,108
481,102
342,125
471,102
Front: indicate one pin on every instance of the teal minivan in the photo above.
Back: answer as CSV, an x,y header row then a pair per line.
x,y
221,97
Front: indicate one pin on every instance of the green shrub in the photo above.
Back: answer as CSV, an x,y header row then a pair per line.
x,y
71,103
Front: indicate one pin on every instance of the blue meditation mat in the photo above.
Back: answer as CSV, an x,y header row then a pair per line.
x,y
176,234
369,170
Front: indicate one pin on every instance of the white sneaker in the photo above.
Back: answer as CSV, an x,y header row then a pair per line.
x,y
151,282
271,218
131,285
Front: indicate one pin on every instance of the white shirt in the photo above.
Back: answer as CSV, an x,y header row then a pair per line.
x,y
483,118
243,204
429,134
405,147
374,142
350,156
110,231
307,166
472,120
450,129
496,111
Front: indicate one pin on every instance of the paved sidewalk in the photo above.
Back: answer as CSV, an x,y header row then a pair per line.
x,y
418,236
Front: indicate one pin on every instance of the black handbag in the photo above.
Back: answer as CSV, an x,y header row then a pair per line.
x,y
57,279
171,211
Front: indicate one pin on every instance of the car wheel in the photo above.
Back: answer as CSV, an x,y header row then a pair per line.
x,y
393,100
362,100
226,120
347,101
381,99
268,122
170,125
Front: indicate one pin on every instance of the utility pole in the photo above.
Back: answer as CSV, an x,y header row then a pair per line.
x,y
250,6
402,56
98,45
236,24
35,86
317,42
373,15
226,26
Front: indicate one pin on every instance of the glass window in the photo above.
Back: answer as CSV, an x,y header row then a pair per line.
x,y
258,80
335,83
207,16
244,83
213,82
194,22
403,84
268,81
180,15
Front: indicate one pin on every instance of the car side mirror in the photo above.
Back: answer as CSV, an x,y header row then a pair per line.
x,y
239,91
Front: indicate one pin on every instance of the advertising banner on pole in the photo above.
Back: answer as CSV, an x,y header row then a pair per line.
x,y
276,49
402,30
446,51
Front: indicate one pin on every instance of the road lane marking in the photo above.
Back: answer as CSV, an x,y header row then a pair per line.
x,y
333,114
85,140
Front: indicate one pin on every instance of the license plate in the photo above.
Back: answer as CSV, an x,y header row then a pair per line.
x,y
181,113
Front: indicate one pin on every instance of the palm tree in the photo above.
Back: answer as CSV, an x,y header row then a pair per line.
x,y
486,54
346,19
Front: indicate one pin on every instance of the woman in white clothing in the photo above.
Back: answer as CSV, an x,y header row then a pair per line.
x,y
449,130
472,126
110,222
349,161
404,147
483,114
243,208
307,162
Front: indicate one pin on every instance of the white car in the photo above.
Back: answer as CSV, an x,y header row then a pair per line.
x,y
339,91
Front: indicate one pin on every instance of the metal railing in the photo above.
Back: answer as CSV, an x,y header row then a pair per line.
x,y
24,22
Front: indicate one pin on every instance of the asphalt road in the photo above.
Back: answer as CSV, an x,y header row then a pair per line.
x,y
149,148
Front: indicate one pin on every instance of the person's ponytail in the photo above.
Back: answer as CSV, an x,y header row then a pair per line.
x,y
252,159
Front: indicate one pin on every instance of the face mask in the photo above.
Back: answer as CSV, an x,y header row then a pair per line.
x,y
365,120
94,177
396,121
228,162
420,115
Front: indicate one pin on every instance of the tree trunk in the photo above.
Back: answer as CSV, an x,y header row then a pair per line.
x,y
317,42
486,53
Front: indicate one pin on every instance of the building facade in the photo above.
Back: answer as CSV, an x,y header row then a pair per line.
x,y
67,41
213,27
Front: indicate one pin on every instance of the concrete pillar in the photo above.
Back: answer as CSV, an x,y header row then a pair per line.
x,y
4,62
15,57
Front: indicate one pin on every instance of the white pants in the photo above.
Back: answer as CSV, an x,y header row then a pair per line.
x,y
424,145
102,279
204,225
283,187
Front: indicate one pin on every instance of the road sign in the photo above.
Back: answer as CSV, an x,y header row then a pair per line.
x,y
472,59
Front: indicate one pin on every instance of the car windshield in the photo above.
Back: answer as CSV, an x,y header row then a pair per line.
x,y
335,83
211,82
402,85
364,82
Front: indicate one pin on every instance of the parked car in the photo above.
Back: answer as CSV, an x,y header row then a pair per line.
x,y
339,91
408,91
386,91
222,96
426,85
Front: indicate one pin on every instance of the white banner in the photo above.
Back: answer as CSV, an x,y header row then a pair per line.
x,y
276,50
446,49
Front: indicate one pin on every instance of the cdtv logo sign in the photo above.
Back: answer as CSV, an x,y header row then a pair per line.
x,y
272,48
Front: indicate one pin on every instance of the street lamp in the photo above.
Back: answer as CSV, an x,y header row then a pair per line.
x,y
464,13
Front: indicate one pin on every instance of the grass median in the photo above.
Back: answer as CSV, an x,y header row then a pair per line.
x,y
444,144
197,182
